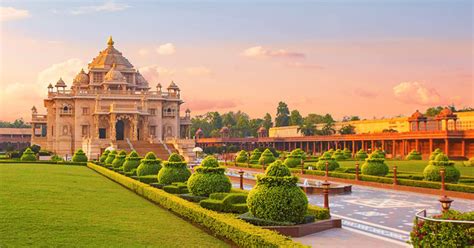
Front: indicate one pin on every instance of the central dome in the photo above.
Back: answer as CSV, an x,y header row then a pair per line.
x,y
114,75
108,57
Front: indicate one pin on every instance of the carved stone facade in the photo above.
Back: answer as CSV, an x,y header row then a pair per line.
x,y
112,103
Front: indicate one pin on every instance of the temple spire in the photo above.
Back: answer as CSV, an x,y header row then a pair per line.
x,y
110,42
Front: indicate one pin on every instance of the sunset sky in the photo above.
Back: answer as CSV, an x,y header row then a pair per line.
x,y
368,58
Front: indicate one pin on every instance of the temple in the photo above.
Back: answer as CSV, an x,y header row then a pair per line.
x,y
451,132
111,104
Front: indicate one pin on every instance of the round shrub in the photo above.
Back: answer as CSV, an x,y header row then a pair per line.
x,y
375,165
414,155
110,158
338,155
132,161
242,157
361,155
79,156
431,172
150,165
174,170
266,157
347,153
56,158
104,156
327,157
209,178
28,155
119,159
435,153
299,152
255,156
276,196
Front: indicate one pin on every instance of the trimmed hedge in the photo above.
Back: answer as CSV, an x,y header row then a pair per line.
x,y
209,178
28,156
441,161
79,156
327,157
150,165
110,158
338,155
8,161
174,170
226,202
176,188
224,225
242,157
375,165
145,179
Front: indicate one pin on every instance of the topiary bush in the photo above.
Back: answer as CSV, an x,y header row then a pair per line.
x,y
381,153
414,155
444,234
294,159
110,158
242,157
347,153
361,155
435,153
132,161
150,165
79,156
327,157
276,196
104,156
28,155
174,170
299,152
266,157
255,156
56,158
470,162
209,178
375,165
338,155
119,159
432,171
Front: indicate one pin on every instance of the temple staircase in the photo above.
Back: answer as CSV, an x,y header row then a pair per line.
x,y
143,147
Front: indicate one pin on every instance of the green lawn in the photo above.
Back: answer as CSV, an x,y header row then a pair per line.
x,y
415,166
58,205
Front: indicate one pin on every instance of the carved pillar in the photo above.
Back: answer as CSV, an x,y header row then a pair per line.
x,y
393,149
113,120
431,145
135,128
463,148
95,126
446,147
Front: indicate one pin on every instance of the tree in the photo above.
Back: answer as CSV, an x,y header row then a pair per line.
x,y
267,121
18,123
296,118
350,118
347,129
229,120
282,118
433,111
307,128
315,118
215,120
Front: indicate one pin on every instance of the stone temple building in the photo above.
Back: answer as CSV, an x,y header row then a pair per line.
x,y
111,104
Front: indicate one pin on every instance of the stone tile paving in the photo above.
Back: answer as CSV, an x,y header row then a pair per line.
x,y
386,213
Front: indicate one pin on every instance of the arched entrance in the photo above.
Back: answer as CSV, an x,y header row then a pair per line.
x,y
119,130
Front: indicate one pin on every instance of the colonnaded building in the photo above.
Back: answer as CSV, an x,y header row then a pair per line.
x,y
111,104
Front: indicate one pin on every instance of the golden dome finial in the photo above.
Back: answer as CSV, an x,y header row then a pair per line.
x,y
110,42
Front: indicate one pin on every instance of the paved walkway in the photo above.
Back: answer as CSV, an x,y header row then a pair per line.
x,y
381,212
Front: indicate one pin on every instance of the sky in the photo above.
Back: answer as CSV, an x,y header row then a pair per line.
x,y
368,58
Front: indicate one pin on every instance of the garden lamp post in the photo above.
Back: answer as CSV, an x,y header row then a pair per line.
x,y
241,173
442,173
327,170
326,194
395,175
302,166
357,171
445,203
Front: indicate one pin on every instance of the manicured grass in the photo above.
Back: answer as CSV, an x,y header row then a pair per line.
x,y
58,205
414,166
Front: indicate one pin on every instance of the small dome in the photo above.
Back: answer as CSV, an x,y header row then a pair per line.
x,y
114,75
446,112
60,83
262,129
173,86
417,115
50,86
224,130
188,111
81,78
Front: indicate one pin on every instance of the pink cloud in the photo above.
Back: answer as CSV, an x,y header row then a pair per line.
x,y
365,93
417,93
261,52
304,65
196,104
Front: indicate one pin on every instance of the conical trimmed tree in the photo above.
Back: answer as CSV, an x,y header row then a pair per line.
x,y
294,159
79,156
266,157
435,153
327,157
255,156
150,165
347,153
119,159
277,197
338,155
174,170
375,165
132,161
441,161
104,156
209,178
361,155
242,157
414,155
28,155
110,158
